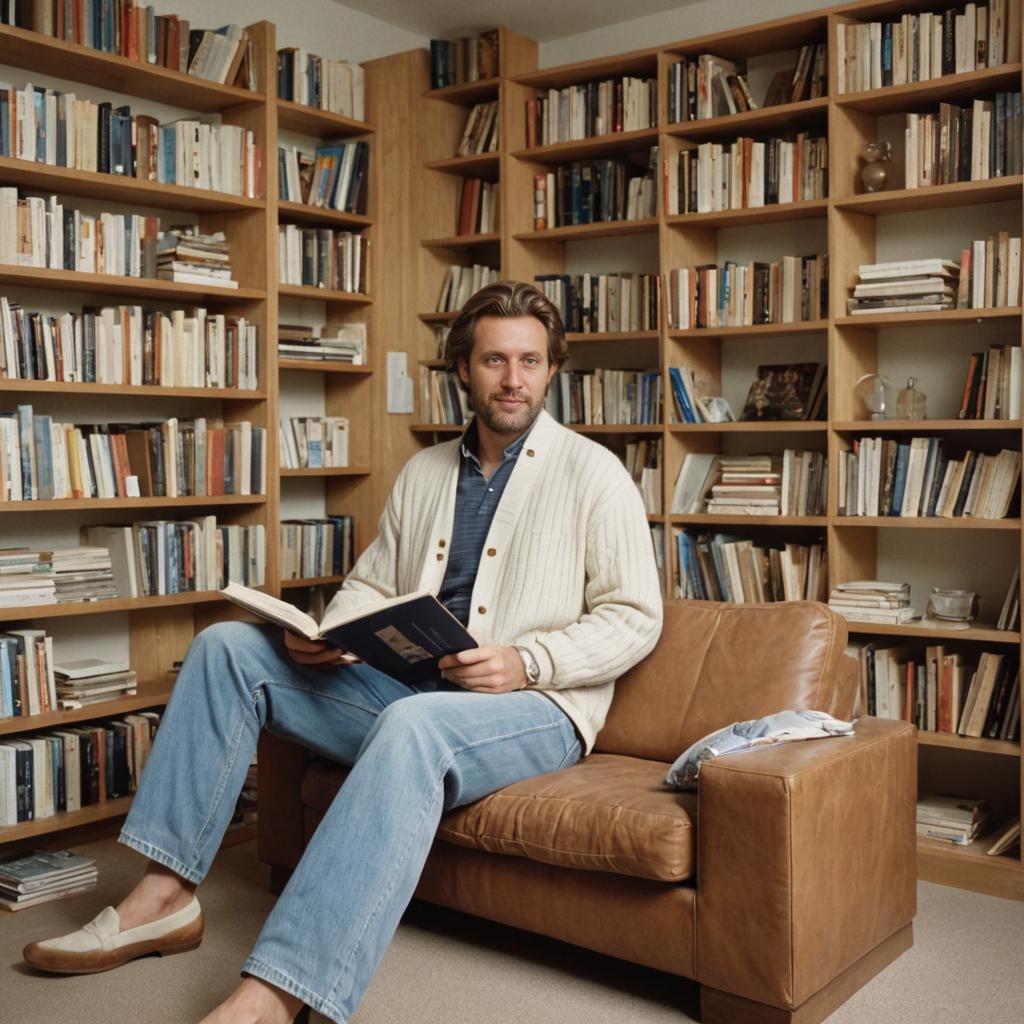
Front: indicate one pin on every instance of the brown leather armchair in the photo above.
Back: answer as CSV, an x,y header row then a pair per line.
x,y
781,887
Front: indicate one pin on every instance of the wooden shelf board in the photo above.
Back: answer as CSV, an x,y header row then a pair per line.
x,y
601,229
983,746
937,318
114,284
79,504
899,426
985,634
305,214
788,33
934,197
59,719
325,366
753,330
32,50
39,177
149,390
311,581
297,117
615,428
925,522
586,149
607,336
327,471
783,115
634,63
898,98
751,427
467,92
67,819
804,210
968,867
704,519
475,165
301,291
462,241
15,613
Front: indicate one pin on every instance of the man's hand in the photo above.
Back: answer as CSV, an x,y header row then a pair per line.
x,y
313,652
495,668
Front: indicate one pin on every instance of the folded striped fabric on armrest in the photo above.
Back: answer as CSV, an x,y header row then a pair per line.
x,y
782,727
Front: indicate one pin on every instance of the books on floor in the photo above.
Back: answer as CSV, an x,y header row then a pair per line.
x,y
951,819
872,601
27,879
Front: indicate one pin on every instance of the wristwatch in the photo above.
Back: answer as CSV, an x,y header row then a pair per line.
x,y
529,665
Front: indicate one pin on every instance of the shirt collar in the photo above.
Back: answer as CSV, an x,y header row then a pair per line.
x,y
471,443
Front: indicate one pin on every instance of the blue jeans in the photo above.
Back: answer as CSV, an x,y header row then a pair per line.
x,y
415,753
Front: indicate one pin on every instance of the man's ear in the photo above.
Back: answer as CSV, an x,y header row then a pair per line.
x,y
463,368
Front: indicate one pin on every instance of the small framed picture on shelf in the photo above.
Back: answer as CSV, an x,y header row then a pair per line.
x,y
715,410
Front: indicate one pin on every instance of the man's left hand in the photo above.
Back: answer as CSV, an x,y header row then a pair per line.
x,y
494,668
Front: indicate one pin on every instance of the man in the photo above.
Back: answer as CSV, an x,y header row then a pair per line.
x,y
533,536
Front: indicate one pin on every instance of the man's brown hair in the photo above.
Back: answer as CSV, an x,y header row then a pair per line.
x,y
509,299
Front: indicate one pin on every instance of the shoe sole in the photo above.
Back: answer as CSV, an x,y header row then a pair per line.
x,y
182,940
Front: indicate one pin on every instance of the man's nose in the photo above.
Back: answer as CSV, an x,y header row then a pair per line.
x,y
512,378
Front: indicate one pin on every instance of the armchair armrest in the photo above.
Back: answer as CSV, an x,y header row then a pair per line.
x,y
807,860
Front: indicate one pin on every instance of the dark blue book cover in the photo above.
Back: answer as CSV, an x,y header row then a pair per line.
x,y
900,481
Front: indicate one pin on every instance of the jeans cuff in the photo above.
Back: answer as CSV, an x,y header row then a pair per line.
x,y
279,979
160,856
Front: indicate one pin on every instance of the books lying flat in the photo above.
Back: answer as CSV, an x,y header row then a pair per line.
x,y
44,875
402,636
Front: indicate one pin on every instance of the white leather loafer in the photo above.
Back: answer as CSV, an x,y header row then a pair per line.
x,y
102,946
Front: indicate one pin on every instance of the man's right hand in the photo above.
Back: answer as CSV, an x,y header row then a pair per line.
x,y
312,652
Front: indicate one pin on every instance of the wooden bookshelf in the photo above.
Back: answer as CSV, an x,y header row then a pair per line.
x,y
66,819
599,229
324,366
593,148
934,197
949,88
327,471
61,719
771,214
467,93
53,387
13,613
311,581
783,117
321,123
302,213
475,165
301,291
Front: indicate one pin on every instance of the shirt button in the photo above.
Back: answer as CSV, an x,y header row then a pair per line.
x,y
491,489
482,610
492,552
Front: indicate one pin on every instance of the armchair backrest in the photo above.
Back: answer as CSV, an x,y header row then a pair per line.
x,y
718,663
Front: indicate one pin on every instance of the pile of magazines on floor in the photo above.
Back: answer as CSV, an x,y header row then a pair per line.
x,y
43,875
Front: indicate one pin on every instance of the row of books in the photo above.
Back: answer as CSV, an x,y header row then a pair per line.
x,y
37,232
642,459
709,86
137,32
789,290
478,209
442,399
50,127
67,769
335,177
757,485
598,396
926,45
596,303
747,173
314,442
42,459
460,283
189,257
129,345
590,109
885,477
322,258
154,558
60,576
721,567
321,82
992,385
595,191
468,59
1009,614
482,133
339,343
27,682
28,879
314,548
971,143
940,691
875,601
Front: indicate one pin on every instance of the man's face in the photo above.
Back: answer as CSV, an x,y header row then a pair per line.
x,y
507,372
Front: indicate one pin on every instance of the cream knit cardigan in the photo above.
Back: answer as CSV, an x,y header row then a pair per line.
x,y
567,569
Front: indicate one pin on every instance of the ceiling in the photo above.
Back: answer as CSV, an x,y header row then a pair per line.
x,y
542,20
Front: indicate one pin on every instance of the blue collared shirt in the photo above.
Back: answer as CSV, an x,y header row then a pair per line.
x,y
476,501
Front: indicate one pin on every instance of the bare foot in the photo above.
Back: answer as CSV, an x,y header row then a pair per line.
x,y
255,1002
159,894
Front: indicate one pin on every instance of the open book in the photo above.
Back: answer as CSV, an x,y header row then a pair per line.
x,y
402,636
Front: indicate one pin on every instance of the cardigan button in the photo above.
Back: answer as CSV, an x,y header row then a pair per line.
x,y
440,543
530,452
440,558
482,610
491,552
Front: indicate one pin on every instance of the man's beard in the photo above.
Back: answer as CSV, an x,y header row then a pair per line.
x,y
504,422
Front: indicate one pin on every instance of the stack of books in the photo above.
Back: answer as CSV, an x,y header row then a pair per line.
x,y
43,875
905,286
747,486
26,577
950,818
336,343
477,211
185,256
82,574
92,681
992,705
591,109
872,601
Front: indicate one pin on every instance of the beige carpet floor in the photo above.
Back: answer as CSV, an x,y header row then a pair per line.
x,y
966,966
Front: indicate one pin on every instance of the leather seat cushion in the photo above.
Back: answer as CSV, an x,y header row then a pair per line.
x,y
608,813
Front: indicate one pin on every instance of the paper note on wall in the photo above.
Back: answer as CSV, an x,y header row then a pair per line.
x,y
399,384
